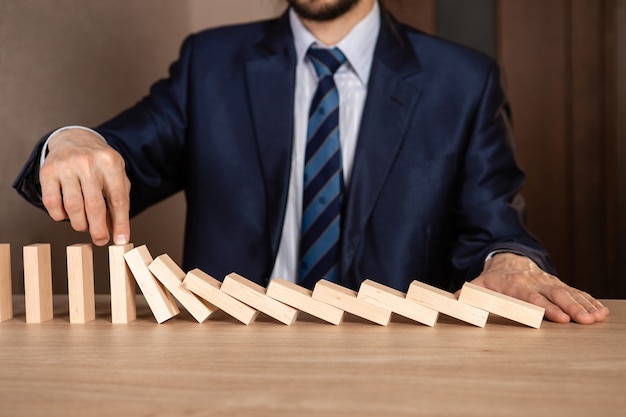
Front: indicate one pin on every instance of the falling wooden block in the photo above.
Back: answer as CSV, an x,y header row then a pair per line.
x,y
171,276
80,287
254,295
6,293
301,299
207,287
123,303
346,299
158,298
38,283
394,300
445,303
502,305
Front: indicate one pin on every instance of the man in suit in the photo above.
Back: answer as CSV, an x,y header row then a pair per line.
x,y
426,180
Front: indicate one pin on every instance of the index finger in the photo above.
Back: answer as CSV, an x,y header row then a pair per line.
x,y
117,192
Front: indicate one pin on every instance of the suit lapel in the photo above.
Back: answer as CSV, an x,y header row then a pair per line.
x,y
270,75
393,92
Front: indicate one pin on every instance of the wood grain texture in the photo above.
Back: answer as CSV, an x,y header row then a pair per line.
x,y
254,295
6,293
502,305
159,299
356,369
207,287
445,303
302,299
172,276
80,283
123,308
346,299
38,282
394,300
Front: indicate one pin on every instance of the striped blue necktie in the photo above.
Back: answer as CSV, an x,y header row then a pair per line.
x,y
323,176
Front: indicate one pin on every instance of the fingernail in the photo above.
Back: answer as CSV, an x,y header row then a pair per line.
x,y
121,239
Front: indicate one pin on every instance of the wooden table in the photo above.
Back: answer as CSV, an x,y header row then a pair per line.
x,y
222,368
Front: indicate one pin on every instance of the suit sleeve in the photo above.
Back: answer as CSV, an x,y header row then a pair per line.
x,y
27,182
489,213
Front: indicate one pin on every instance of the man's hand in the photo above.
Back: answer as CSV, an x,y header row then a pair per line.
x,y
521,278
84,180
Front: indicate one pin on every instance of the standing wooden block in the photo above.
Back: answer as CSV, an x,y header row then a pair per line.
x,y
254,295
445,303
302,299
502,305
346,299
38,283
6,293
123,303
208,288
394,300
171,276
158,298
80,287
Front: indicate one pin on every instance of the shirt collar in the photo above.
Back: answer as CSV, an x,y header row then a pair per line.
x,y
358,45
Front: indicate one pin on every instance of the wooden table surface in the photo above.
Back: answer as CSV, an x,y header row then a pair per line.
x,y
223,368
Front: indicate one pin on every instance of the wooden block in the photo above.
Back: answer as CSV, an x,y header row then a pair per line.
x,y
502,305
80,286
158,298
301,298
6,293
445,303
254,295
207,287
38,283
123,303
171,276
394,300
346,299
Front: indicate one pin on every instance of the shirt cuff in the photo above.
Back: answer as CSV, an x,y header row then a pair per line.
x,y
44,149
497,251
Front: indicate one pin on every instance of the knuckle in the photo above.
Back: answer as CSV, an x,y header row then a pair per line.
x,y
51,201
536,298
118,201
94,203
73,203
556,292
110,159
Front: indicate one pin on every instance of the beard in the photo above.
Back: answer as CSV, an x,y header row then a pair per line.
x,y
319,10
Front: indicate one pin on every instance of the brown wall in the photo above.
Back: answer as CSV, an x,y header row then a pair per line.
x,y
563,61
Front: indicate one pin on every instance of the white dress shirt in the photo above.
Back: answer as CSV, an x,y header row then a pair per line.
x,y
351,80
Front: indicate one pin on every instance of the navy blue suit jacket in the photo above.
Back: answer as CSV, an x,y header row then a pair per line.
x,y
434,184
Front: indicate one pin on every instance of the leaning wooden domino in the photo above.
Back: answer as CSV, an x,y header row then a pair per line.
x,y
38,283
171,276
123,303
80,286
301,298
254,295
6,294
394,300
346,299
207,287
445,303
502,305
158,298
